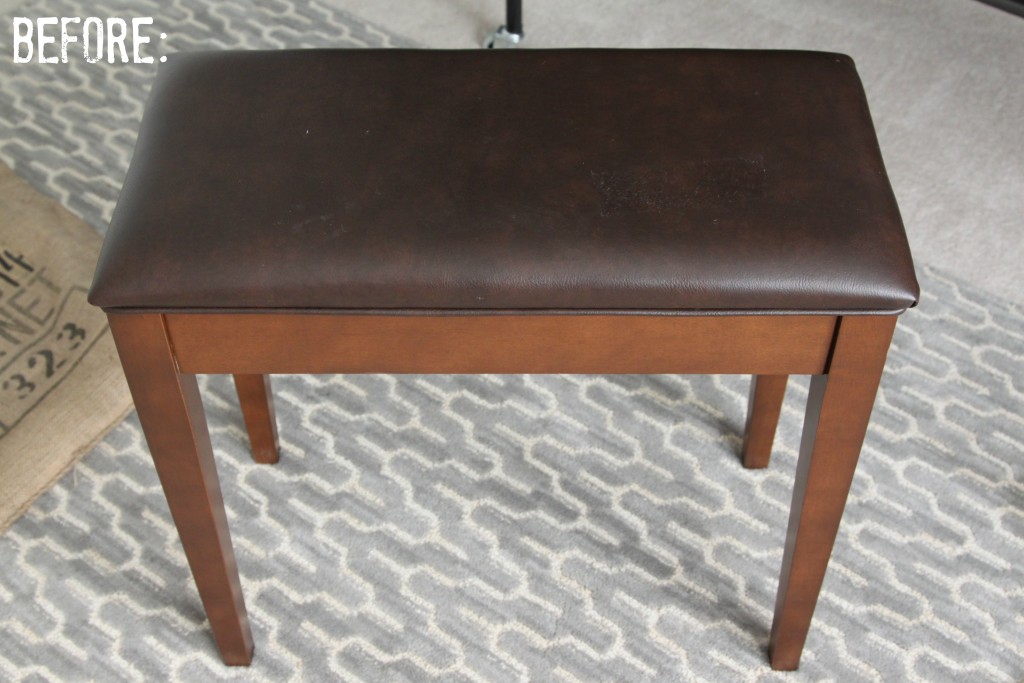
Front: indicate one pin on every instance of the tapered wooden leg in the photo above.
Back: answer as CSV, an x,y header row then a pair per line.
x,y
766,394
172,417
838,409
258,411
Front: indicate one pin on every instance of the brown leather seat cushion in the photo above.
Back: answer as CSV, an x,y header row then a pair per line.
x,y
675,180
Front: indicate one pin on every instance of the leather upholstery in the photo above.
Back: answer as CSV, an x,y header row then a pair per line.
x,y
688,181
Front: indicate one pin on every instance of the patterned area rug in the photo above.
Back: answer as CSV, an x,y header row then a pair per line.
x,y
514,528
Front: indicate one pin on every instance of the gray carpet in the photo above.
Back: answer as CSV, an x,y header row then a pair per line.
x,y
511,528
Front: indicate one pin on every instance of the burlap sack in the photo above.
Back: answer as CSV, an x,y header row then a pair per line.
x,y
61,385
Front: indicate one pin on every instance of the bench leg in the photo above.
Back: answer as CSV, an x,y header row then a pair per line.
x,y
838,409
258,411
766,393
171,412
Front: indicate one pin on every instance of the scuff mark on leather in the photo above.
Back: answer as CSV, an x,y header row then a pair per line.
x,y
321,219
706,184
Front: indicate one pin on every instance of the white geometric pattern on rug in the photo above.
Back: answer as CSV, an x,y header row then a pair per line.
x,y
483,528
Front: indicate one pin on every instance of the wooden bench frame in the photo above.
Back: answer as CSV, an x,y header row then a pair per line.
x,y
162,352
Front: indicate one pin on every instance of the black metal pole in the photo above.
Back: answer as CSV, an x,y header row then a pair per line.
x,y
514,16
